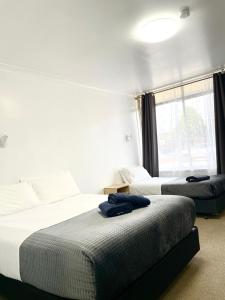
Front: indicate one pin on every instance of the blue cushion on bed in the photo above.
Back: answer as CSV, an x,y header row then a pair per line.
x,y
136,200
111,210
197,178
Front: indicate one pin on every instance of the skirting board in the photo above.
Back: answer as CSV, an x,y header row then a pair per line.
x,y
148,287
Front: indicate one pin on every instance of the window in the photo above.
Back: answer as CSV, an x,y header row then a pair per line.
x,y
186,130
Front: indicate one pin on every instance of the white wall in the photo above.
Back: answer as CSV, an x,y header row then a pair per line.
x,y
53,124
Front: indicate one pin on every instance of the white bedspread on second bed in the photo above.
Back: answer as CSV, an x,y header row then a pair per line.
x,y
15,228
150,186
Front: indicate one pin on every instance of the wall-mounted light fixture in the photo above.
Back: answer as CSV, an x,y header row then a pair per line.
x,y
128,137
3,140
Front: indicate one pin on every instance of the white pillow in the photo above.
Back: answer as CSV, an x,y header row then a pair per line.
x,y
16,197
134,174
54,187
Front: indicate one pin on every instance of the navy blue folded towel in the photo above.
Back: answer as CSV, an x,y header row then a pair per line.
x,y
111,210
136,200
197,178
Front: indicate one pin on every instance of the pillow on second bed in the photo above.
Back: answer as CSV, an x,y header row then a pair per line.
x,y
134,174
16,197
54,187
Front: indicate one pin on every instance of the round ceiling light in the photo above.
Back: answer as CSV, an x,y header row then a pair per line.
x,y
157,30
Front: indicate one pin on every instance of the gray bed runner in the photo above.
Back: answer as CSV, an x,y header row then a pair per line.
x,y
199,190
90,257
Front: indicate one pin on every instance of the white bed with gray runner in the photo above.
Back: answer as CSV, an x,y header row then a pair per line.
x,y
69,249
207,189
209,195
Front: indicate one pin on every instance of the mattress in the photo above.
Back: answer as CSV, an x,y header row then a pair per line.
x,y
69,249
207,189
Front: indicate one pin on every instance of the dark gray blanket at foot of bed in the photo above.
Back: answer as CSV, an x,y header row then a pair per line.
x,y
207,189
90,257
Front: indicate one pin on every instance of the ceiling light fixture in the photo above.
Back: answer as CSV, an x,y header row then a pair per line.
x,y
161,28
158,30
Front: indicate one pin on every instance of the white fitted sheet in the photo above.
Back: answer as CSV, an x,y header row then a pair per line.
x,y
150,186
15,228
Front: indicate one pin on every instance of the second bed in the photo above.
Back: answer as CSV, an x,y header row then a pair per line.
x,y
209,195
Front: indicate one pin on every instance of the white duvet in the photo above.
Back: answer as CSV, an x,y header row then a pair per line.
x,y
150,186
15,228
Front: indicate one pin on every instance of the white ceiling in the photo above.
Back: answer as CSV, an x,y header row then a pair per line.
x,y
90,41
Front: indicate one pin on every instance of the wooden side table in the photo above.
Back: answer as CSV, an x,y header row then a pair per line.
x,y
117,188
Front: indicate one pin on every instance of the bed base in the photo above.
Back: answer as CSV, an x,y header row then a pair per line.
x,y
212,206
148,287
158,278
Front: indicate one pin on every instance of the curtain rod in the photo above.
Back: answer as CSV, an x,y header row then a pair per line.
x,y
182,83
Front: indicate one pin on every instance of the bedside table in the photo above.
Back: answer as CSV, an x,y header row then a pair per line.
x,y
117,188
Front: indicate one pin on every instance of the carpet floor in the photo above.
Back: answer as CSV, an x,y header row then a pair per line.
x,y
204,276
202,279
